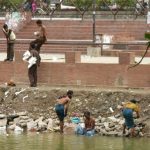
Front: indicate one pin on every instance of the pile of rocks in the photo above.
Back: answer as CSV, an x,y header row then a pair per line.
x,y
109,126
37,105
113,126
22,122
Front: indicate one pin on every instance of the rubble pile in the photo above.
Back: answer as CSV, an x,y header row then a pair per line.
x,y
32,109
110,126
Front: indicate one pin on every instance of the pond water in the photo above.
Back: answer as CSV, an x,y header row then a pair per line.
x,y
48,141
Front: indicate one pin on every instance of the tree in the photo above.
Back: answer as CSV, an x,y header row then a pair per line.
x,y
82,5
125,3
9,4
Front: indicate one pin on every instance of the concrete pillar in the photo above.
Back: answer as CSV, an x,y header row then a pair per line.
x,y
94,51
73,57
126,58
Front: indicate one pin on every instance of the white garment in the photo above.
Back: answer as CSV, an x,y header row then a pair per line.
x,y
12,36
26,55
32,61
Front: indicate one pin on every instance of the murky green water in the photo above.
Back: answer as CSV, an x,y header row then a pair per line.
x,y
47,141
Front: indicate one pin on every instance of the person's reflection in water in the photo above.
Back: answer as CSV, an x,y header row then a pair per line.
x,y
88,145
60,145
128,144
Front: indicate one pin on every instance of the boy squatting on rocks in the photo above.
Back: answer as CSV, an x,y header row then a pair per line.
x,y
61,108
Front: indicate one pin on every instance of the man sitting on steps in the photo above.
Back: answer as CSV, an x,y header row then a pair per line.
x,y
40,36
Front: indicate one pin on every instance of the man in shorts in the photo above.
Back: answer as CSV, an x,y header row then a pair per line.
x,y
61,108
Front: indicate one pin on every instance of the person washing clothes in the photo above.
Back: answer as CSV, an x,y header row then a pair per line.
x,y
61,108
128,109
89,126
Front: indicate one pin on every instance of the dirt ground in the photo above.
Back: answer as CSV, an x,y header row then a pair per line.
x,y
40,101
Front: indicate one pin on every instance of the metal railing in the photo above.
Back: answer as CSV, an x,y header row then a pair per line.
x,y
77,43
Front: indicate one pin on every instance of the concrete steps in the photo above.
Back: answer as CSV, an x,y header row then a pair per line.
x,y
81,30
78,29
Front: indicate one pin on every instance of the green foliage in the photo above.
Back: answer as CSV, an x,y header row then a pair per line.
x,y
125,3
118,2
17,2
83,3
10,4
147,36
101,2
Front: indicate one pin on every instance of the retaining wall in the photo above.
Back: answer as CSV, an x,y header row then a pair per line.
x,y
73,72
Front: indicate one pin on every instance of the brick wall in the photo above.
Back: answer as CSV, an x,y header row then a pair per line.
x,y
84,74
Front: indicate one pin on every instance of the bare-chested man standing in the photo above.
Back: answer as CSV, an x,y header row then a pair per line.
x,y
61,108
40,36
